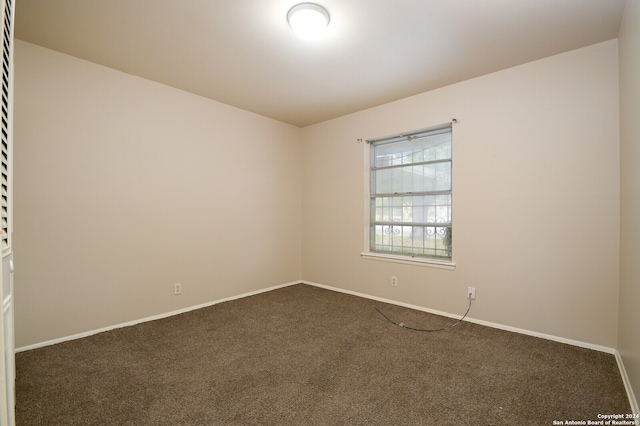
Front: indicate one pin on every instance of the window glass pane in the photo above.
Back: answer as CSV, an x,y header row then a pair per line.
x,y
427,241
418,178
419,209
413,150
431,209
387,181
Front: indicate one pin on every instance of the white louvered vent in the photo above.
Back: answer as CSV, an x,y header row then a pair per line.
x,y
5,124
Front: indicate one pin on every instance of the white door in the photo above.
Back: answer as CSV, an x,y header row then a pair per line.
x,y
7,345
7,351
4,381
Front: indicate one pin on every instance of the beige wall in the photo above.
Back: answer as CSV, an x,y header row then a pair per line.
x,y
536,198
124,187
628,341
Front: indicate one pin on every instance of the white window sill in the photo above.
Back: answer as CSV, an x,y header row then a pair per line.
x,y
407,260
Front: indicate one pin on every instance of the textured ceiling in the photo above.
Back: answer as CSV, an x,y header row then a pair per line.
x,y
243,53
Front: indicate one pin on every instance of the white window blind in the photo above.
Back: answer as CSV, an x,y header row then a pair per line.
x,y
411,193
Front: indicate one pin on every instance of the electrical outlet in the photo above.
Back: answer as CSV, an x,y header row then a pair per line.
x,y
394,281
177,288
471,293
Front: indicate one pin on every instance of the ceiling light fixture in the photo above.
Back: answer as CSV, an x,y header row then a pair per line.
x,y
308,20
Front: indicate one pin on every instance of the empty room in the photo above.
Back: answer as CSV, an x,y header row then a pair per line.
x,y
217,217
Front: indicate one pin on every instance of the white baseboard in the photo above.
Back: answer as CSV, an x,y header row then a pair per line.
x,y
475,321
627,385
151,318
337,289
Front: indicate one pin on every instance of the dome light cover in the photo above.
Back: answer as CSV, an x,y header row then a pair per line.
x,y
308,20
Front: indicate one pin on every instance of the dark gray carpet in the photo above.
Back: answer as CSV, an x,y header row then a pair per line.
x,y
302,355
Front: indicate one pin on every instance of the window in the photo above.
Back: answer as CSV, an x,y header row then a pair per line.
x,y
410,195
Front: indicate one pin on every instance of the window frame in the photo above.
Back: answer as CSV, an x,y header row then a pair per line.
x,y
435,262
